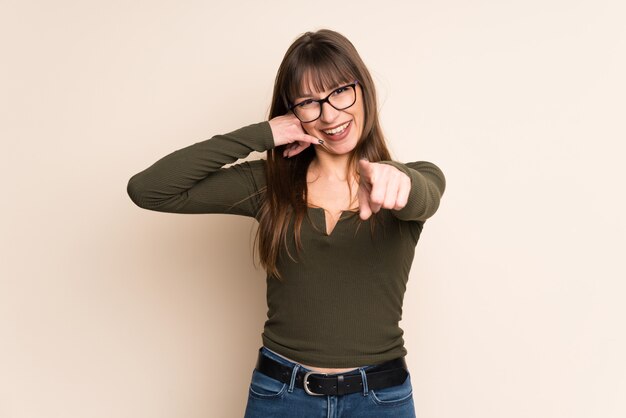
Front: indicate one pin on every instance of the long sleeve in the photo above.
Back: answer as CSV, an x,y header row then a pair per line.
x,y
193,180
427,186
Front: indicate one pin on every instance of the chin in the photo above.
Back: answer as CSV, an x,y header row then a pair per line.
x,y
339,149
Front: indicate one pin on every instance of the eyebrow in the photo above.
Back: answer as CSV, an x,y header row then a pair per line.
x,y
308,95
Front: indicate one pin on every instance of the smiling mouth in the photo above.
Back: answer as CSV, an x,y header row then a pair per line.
x,y
338,130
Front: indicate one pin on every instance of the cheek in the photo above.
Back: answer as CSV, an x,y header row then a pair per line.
x,y
308,129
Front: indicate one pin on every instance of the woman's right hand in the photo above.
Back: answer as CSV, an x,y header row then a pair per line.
x,y
287,130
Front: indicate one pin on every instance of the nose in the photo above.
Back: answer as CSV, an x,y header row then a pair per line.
x,y
329,113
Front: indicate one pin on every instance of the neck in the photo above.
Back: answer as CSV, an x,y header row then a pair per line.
x,y
331,167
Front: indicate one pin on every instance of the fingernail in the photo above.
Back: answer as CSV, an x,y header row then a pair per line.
x,y
321,141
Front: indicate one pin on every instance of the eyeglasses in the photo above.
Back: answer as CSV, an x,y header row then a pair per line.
x,y
310,109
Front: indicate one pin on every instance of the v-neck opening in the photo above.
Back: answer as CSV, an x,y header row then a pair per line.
x,y
339,219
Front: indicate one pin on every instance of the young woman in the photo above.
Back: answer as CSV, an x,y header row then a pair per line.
x,y
338,225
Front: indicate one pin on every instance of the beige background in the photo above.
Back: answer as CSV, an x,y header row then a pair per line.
x,y
515,303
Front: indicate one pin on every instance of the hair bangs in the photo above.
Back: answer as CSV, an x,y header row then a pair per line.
x,y
319,71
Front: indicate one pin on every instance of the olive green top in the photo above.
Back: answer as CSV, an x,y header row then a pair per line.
x,y
339,303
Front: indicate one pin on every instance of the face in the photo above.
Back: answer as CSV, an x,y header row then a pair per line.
x,y
340,129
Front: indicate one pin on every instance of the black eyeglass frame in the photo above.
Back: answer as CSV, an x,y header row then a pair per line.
x,y
325,100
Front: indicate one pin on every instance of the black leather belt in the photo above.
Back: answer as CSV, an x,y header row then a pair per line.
x,y
384,375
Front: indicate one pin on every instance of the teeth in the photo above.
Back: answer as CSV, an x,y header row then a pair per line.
x,y
337,130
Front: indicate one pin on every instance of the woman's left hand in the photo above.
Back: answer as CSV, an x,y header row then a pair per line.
x,y
381,186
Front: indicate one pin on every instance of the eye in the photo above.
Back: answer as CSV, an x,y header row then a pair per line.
x,y
340,90
306,103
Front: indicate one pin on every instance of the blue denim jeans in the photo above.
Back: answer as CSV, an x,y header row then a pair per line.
x,y
270,398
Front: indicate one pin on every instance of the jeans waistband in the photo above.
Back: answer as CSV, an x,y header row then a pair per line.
x,y
273,365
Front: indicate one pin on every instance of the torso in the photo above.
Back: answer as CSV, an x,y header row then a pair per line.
x,y
334,198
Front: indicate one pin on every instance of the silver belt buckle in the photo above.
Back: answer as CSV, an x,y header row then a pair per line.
x,y
305,383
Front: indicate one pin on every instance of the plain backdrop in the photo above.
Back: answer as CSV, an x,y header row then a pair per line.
x,y
514,306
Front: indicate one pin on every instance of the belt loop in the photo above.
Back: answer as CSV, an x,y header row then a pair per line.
x,y
364,379
294,374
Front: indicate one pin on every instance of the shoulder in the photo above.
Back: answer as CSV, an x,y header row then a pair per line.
x,y
424,167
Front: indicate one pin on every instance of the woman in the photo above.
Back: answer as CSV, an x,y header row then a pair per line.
x,y
336,281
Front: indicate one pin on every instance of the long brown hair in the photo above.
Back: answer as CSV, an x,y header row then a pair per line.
x,y
324,59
